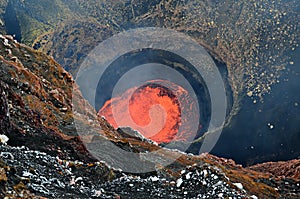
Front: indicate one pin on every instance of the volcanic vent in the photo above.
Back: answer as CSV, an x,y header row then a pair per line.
x,y
159,109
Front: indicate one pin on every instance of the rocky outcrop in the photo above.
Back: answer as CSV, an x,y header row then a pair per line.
x,y
285,185
36,101
282,169
83,34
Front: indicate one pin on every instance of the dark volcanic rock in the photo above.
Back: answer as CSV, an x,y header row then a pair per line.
x,y
36,102
36,172
4,112
32,174
83,34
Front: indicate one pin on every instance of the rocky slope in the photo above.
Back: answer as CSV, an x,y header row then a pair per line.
x,y
282,169
253,39
36,96
32,174
36,113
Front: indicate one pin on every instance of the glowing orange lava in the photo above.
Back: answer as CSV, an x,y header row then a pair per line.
x,y
154,110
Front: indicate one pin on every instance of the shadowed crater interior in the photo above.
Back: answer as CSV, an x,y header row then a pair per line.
x,y
104,100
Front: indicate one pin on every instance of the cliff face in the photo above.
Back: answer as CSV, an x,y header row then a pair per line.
x,y
36,100
239,39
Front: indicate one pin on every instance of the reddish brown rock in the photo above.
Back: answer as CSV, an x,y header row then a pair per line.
x,y
282,169
32,114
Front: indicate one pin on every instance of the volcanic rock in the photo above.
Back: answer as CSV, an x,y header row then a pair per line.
x,y
68,31
4,112
253,40
45,156
54,162
282,169
32,174
31,114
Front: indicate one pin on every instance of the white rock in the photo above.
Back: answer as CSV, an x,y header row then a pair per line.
x,y
78,179
250,93
205,173
218,184
3,139
72,181
239,185
154,179
6,43
188,176
97,193
27,174
179,182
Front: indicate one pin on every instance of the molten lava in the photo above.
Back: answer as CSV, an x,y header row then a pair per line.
x,y
155,110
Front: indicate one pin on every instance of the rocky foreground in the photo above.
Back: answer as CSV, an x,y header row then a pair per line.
x,y
26,173
256,43
32,174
